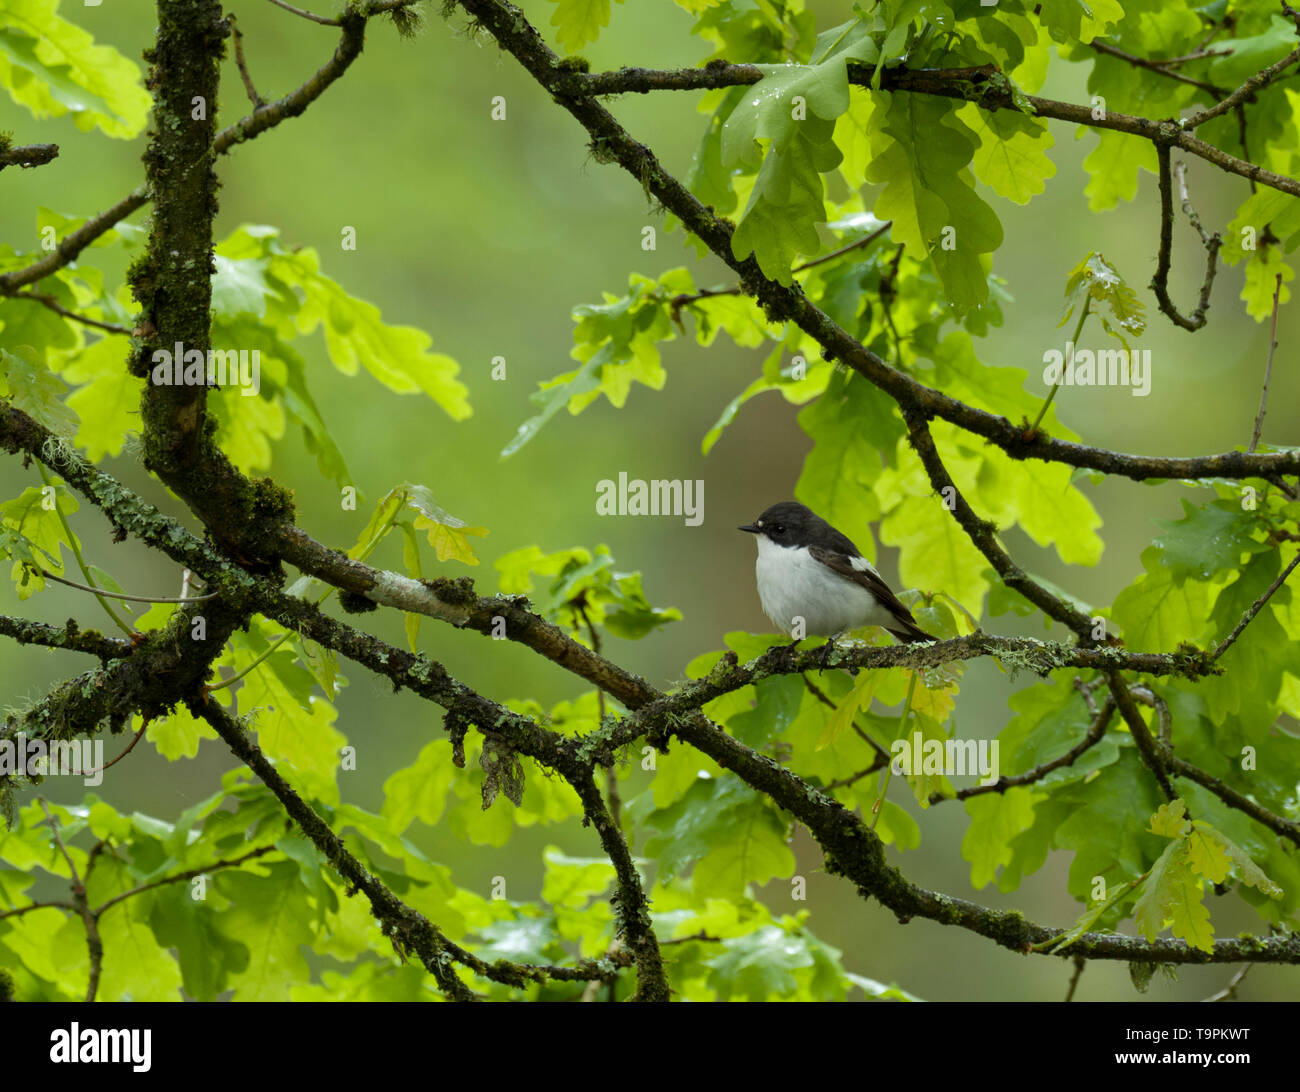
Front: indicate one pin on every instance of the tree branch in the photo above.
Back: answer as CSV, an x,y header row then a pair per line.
x,y
576,93
1096,732
983,85
27,155
1254,609
1268,367
1160,282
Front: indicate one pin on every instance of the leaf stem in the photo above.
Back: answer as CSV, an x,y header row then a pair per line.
x,y
1078,329
889,768
75,547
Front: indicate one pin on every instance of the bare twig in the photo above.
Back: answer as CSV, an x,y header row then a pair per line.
x,y
59,309
1151,755
1268,368
253,97
1079,964
1160,282
1235,799
1245,92
122,595
125,751
323,20
27,155
1164,718
94,944
1165,68
1229,992
1096,731
686,298
189,874
1253,610
984,85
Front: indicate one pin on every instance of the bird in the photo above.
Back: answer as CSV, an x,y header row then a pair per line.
x,y
807,570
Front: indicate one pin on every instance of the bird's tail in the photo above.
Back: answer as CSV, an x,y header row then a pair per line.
x,y
907,631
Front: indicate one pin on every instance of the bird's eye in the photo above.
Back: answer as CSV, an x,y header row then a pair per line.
x,y
779,528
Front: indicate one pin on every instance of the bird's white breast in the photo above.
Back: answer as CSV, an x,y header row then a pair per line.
x,y
792,585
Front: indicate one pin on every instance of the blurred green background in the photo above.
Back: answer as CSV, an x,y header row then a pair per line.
x,y
486,233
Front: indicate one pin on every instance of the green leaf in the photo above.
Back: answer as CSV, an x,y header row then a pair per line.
x,y
1158,612
1108,295
922,151
356,335
1254,665
447,534
1212,853
857,699
1170,820
617,343
855,428
271,917
996,818
792,111
294,726
731,834
1174,893
419,791
934,552
53,67
106,400
1012,155
574,881
1207,540
34,389
579,21
1113,166
1076,21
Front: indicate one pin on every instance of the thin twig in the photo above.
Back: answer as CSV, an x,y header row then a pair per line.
x,y
233,862
18,911
253,97
1164,257
94,944
1164,68
1165,718
58,841
611,774
122,595
1268,368
323,20
882,755
126,751
1229,992
1244,93
59,309
1079,964
1151,755
74,544
678,302
1235,799
1096,731
1253,610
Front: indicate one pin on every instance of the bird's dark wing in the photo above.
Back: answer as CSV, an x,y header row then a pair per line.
x,y
869,579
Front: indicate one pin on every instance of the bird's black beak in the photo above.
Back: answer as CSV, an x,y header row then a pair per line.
x,y
752,528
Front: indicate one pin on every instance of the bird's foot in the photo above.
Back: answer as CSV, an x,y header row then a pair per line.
x,y
826,652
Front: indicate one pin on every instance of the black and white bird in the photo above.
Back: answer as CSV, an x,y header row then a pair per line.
x,y
808,570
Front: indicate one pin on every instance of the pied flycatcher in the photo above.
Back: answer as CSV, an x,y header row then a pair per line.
x,y
807,569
